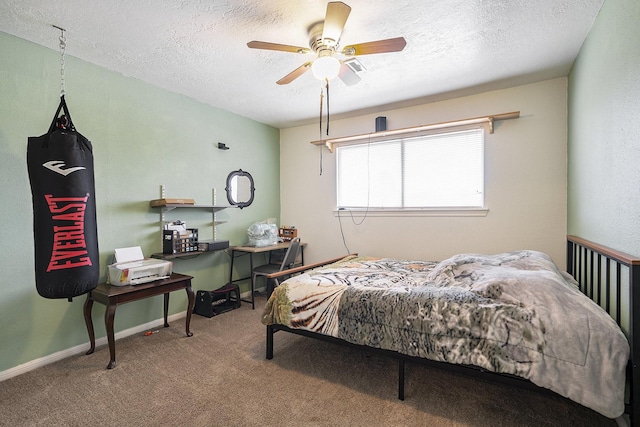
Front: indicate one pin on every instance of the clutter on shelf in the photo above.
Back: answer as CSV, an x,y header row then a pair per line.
x,y
287,232
177,238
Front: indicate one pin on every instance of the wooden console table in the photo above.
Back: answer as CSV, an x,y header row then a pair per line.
x,y
111,296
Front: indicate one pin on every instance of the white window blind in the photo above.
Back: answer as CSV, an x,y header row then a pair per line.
x,y
431,171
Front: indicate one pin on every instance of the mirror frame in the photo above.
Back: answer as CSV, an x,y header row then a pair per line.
x,y
230,177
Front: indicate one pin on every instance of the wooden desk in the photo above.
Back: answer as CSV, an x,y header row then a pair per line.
x,y
111,296
251,251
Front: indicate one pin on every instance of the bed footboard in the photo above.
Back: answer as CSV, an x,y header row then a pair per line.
x,y
612,279
284,274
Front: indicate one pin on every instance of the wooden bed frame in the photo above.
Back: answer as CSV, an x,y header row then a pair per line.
x,y
607,276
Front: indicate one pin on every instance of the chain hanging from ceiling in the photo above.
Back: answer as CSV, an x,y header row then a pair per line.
x,y
322,95
63,47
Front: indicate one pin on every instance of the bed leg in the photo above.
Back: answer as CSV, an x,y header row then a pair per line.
x,y
634,415
401,379
634,314
269,342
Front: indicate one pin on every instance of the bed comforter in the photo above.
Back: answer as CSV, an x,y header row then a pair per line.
x,y
513,313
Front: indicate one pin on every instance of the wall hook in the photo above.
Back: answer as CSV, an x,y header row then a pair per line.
x,y
222,146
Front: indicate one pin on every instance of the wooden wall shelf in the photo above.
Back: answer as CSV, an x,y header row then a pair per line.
x,y
375,136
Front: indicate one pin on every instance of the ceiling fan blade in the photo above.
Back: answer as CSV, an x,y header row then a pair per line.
x,y
279,47
380,46
334,20
347,75
294,74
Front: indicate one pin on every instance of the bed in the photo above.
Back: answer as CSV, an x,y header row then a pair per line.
x,y
513,316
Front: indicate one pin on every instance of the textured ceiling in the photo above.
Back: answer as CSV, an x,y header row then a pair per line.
x,y
198,47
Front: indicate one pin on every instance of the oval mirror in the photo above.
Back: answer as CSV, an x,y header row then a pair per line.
x,y
240,189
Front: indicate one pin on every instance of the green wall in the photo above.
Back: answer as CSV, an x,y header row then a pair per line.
x,y
604,131
143,137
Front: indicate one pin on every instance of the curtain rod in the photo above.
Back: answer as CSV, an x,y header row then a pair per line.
x,y
488,120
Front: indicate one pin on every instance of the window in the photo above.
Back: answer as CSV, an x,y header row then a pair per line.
x,y
442,170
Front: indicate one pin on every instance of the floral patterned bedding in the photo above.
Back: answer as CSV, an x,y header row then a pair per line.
x,y
514,313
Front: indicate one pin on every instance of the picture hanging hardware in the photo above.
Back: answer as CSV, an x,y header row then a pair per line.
x,y
222,146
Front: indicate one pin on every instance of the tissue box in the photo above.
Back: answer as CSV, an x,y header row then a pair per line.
x,y
131,268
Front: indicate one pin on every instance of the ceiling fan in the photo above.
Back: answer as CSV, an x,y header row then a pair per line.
x,y
324,40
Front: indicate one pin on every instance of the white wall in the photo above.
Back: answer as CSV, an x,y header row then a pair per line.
x,y
526,182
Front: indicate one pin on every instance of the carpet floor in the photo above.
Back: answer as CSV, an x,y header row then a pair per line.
x,y
220,376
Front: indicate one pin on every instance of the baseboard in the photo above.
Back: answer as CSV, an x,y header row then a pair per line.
x,y
82,348
247,294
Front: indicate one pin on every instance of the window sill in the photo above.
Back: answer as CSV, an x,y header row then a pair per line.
x,y
378,212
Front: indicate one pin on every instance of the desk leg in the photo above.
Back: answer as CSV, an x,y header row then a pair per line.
x,y
88,304
253,291
232,281
166,309
109,315
192,300
233,255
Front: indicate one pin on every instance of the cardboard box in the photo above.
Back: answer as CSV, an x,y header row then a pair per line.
x,y
164,202
131,268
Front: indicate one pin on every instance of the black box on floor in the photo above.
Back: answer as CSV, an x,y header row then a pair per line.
x,y
212,303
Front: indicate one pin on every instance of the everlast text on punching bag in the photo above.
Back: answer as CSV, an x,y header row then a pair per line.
x,y
65,234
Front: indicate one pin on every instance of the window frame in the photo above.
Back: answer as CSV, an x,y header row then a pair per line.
x,y
415,211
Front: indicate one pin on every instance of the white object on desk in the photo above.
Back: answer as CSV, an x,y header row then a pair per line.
x,y
132,268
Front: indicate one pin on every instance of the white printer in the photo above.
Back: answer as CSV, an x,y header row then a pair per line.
x,y
132,268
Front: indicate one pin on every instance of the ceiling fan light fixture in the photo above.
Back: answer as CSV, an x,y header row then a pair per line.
x,y
325,68
324,39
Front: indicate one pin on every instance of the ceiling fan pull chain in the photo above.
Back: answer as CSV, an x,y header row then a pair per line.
x,y
63,46
321,101
327,80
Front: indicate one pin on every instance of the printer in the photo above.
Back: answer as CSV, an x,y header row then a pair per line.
x,y
132,268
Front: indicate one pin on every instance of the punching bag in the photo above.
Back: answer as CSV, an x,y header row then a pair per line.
x,y
65,233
